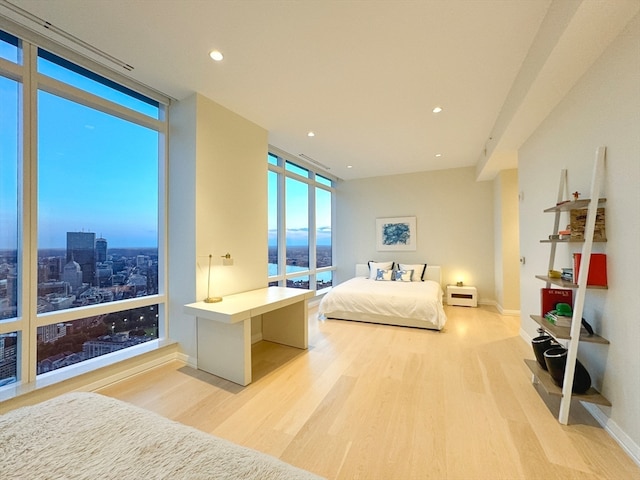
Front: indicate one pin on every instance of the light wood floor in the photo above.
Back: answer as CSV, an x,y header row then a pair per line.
x,y
380,402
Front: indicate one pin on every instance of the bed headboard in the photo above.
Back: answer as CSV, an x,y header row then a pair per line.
x,y
433,272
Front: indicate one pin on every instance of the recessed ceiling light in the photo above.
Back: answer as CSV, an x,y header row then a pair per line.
x,y
311,134
438,154
437,109
349,166
216,55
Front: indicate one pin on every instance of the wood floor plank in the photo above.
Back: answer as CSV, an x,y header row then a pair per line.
x,y
382,402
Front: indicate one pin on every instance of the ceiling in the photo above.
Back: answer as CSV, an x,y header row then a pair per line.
x,y
363,75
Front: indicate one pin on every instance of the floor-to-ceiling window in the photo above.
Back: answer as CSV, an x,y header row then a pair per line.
x,y
300,224
81,211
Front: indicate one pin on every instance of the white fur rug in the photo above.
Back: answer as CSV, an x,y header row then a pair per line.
x,y
90,436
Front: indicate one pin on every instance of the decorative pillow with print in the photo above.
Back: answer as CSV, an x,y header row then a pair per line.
x,y
418,270
384,275
403,275
374,266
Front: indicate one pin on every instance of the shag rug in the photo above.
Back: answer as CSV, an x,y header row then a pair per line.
x,y
90,436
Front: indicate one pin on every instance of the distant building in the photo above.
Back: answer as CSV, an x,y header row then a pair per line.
x,y
119,264
62,302
142,261
8,358
110,343
73,275
50,269
101,250
12,288
59,288
81,248
51,333
104,275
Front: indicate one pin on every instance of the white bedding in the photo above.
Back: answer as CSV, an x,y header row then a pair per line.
x,y
414,304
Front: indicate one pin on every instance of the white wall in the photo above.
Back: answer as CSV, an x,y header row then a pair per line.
x,y
454,216
217,204
507,253
602,109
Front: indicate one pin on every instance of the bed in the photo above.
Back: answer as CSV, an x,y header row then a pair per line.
x,y
403,303
85,436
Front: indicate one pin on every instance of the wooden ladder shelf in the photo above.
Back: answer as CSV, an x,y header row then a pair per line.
x,y
573,334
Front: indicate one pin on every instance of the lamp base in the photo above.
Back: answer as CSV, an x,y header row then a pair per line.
x,y
212,299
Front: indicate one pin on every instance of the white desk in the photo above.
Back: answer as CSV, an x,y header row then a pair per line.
x,y
224,328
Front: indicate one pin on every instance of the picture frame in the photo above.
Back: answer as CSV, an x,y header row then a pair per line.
x,y
395,234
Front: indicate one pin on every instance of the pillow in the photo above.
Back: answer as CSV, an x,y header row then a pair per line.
x,y
384,275
418,270
403,275
374,266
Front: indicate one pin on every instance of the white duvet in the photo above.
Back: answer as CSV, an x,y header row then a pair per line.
x,y
402,303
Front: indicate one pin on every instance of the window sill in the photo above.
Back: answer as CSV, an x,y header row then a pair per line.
x,y
88,375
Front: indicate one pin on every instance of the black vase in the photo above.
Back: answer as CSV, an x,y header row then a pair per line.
x,y
556,360
540,345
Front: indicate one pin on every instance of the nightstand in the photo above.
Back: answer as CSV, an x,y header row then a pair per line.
x,y
462,296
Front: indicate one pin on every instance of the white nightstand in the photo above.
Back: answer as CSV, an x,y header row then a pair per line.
x,y
462,296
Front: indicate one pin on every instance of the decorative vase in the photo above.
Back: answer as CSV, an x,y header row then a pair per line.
x,y
540,345
556,361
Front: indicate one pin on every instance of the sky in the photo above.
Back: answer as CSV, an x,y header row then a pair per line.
x,y
96,172
297,213
8,164
99,173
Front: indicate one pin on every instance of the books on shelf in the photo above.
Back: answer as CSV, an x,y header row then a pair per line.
x,y
558,320
567,274
597,275
578,219
550,297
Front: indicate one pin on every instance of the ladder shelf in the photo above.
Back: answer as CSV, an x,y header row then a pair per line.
x,y
572,335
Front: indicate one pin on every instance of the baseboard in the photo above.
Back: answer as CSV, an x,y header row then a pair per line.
x,y
255,338
36,392
508,313
484,301
141,365
628,445
525,336
187,360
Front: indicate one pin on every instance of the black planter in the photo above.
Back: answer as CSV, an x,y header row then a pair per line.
x,y
540,345
556,360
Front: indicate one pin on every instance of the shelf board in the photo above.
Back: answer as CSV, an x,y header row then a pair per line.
x,y
574,204
570,240
591,395
564,333
565,284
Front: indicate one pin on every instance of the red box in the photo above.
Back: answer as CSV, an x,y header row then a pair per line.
x,y
597,276
550,297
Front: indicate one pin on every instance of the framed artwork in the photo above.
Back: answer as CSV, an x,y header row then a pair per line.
x,y
396,234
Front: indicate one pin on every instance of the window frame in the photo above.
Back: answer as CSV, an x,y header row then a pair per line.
x,y
28,320
284,158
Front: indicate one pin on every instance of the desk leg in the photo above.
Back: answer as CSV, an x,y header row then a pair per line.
x,y
225,349
287,325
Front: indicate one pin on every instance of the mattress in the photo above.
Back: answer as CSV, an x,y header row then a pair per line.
x,y
413,304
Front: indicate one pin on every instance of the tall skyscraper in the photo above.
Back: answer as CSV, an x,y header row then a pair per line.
x,y
101,250
81,248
